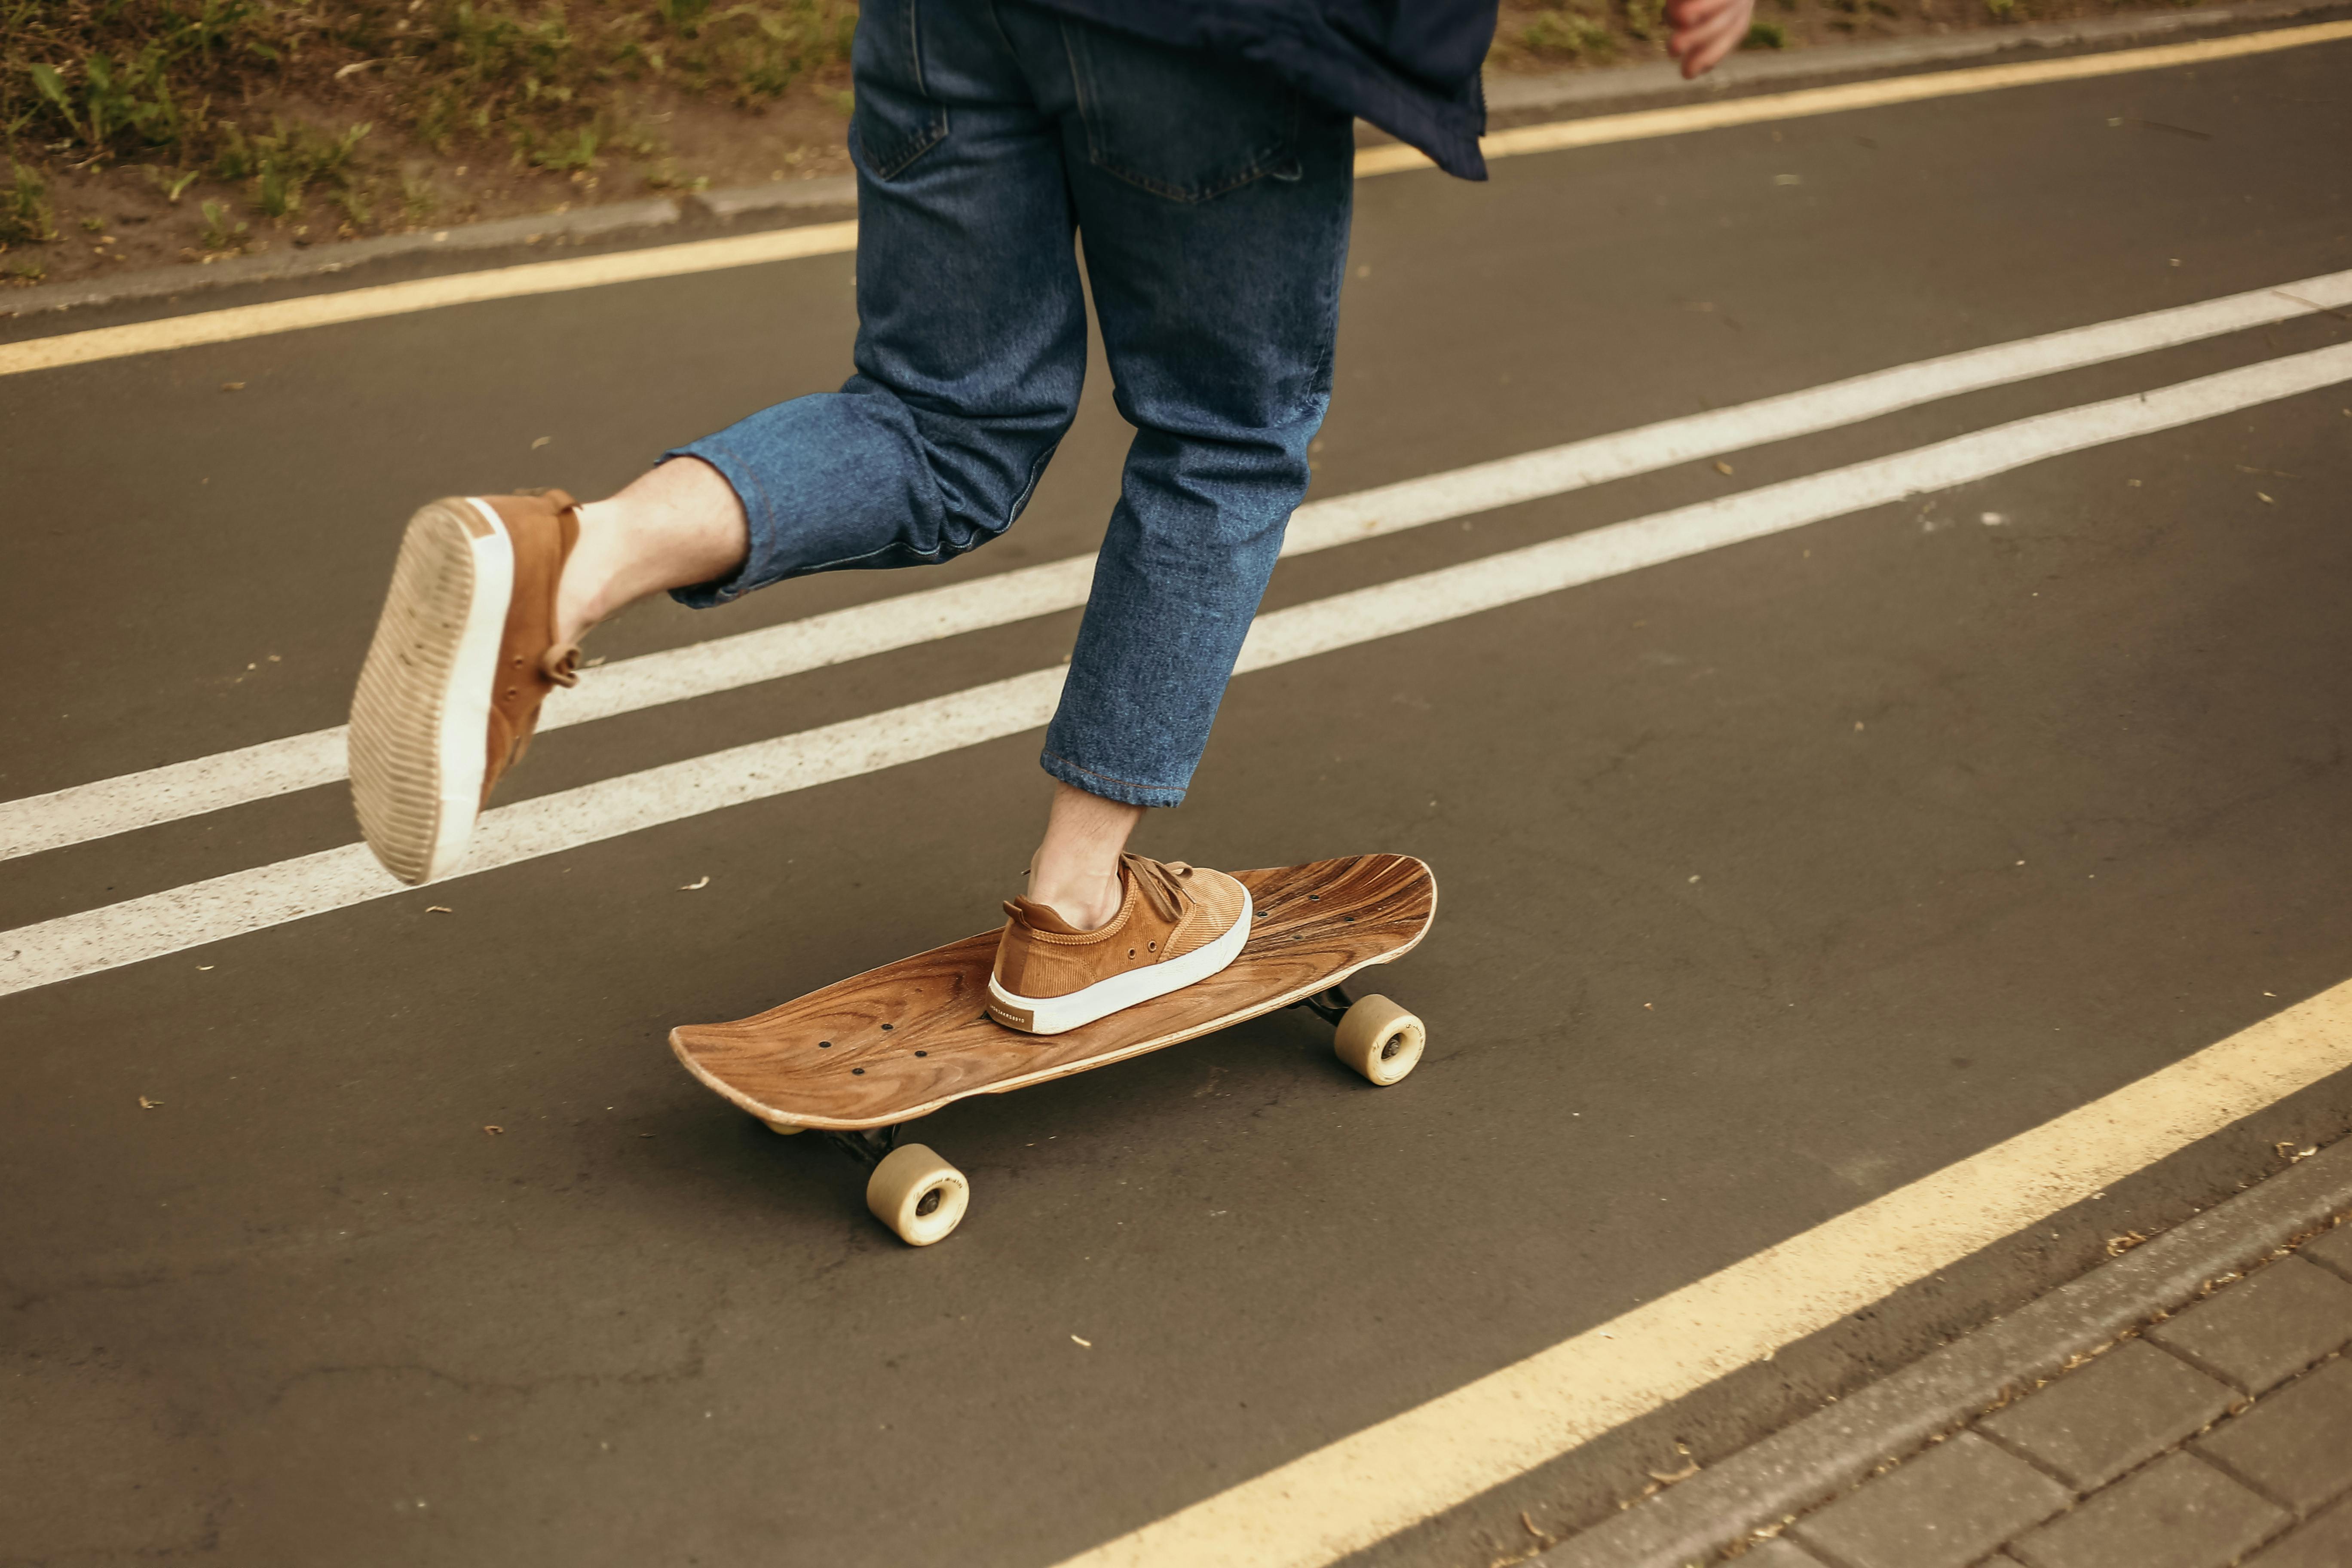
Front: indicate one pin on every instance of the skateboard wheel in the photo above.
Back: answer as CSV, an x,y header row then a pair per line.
x,y
783,1129
1380,1039
917,1194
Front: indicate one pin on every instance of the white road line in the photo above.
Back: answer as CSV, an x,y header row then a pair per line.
x,y
1560,135
94,810
1369,1486
248,900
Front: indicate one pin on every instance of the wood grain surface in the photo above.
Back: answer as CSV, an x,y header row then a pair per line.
x,y
905,1039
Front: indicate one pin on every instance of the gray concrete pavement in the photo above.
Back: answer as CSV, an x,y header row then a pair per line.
x,y
305,1310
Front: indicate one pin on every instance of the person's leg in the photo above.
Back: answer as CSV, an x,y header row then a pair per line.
x,y
971,345
1213,207
970,351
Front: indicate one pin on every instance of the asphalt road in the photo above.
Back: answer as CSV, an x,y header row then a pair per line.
x,y
1773,878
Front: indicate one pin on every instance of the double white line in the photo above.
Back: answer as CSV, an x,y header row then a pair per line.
x,y
265,896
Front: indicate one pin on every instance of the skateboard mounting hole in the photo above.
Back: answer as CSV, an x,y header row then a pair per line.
x,y
930,1204
888,1027
922,1053
1350,919
858,1072
1314,897
825,1044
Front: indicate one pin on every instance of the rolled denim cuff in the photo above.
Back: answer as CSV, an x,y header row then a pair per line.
x,y
1124,791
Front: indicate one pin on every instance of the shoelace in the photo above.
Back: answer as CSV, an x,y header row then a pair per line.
x,y
562,664
1160,883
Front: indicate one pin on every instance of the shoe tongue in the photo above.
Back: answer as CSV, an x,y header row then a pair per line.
x,y
1040,917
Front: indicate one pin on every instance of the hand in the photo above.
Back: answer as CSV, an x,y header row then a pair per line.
x,y
1707,30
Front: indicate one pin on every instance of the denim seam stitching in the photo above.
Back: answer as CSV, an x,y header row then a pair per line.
x,y
923,141
1113,778
1021,501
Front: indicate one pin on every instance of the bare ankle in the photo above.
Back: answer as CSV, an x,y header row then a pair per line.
x,y
581,593
675,526
1087,903
1075,872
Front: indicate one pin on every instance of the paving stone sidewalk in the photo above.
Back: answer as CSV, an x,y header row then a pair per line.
x,y
2219,1434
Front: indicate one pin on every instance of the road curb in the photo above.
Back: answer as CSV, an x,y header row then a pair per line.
x,y
627,224
1511,100
1808,1463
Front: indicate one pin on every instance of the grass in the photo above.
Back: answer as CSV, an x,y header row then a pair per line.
x,y
25,217
232,89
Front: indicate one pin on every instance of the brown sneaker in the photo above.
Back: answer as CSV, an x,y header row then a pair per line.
x,y
463,656
1177,924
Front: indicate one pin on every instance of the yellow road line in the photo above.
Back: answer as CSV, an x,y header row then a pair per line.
x,y
1365,1487
425,294
833,238
1675,121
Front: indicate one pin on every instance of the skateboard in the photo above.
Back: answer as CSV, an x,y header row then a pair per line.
x,y
864,1056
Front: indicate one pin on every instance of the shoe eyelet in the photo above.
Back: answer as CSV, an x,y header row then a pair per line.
x,y
1153,946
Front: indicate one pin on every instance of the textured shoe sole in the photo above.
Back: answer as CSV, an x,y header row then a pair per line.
x,y
1059,1015
420,718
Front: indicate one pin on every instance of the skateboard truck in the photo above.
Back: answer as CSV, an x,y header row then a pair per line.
x,y
1328,1005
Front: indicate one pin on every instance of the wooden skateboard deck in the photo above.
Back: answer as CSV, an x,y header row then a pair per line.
x,y
903,1040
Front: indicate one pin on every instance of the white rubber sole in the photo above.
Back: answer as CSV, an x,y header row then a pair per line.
x,y
1059,1015
421,717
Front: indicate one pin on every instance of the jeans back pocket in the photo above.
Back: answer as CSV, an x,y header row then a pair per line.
x,y
1182,123
894,119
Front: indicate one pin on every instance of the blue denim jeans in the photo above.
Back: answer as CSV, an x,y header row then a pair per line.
x,y
1212,202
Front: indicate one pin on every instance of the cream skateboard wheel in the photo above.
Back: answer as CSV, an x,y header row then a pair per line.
x,y
783,1129
917,1194
1380,1039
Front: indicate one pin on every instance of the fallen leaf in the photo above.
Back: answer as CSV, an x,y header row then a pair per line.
x,y
1721,467
147,1104
232,386
202,967
1667,1477
696,886
493,1131
2265,500
542,441
439,910
1087,1343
